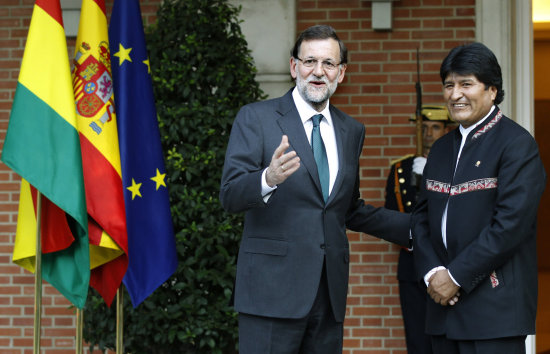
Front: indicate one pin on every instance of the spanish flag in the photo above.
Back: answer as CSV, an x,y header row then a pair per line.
x,y
96,123
42,146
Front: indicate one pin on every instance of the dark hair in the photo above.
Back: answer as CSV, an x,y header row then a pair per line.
x,y
474,59
320,32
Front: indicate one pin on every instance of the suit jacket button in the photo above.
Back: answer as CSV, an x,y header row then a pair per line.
x,y
322,246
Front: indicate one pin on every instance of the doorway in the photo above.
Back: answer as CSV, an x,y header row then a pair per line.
x,y
541,50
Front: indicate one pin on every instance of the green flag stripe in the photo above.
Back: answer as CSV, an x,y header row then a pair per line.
x,y
45,150
68,270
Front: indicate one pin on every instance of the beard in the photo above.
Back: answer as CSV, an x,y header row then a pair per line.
x,y
317,97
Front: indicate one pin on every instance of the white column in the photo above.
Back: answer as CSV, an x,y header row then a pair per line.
x,y
493,28
506,27
269,27
524,67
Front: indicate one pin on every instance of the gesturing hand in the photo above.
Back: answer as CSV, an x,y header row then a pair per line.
x,y
282,165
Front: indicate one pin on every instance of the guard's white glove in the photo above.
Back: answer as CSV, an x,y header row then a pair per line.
x,y
418,165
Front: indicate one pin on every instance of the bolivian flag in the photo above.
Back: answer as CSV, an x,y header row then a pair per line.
x,y
42,146
96,123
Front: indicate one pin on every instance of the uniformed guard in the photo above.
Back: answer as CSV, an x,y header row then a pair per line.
x,y
401,192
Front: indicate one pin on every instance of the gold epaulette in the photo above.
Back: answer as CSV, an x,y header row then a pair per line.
x,y
401,159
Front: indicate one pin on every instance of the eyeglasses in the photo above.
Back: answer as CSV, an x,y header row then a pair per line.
x,y
311,63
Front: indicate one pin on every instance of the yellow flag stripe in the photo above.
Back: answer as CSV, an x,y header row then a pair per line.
x,y
105,252
93,26
24,250
48,76
93,31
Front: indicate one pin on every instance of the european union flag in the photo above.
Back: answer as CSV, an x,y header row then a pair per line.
x,y
151,243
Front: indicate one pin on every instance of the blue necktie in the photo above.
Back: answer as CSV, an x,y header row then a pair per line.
x,y
320,155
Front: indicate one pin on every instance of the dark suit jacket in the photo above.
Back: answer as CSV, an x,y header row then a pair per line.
x,y
286,240
491,229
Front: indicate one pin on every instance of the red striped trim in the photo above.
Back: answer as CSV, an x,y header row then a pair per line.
x,y
436,186
494,279
488,126
465,187
53,8
475,185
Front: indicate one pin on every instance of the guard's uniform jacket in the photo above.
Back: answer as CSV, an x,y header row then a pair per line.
x,y
401,195
491,229
400,189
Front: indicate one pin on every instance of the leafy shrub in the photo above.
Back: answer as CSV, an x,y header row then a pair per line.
x,y
202,74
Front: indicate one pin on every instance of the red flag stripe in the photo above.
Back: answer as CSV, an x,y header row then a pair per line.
x,y
107,278
55,233
101,4
53,8
106,207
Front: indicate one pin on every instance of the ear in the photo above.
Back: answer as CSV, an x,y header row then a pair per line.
x,y
293,69
342,73
493,91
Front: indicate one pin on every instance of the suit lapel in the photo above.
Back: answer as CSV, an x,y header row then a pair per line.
x,y
340,133
292,126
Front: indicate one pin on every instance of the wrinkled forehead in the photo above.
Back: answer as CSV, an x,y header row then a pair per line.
x,y
320,49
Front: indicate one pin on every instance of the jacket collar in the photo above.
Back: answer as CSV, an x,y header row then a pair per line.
x,y
489,123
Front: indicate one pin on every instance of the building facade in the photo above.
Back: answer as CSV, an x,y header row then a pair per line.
x,y
378,90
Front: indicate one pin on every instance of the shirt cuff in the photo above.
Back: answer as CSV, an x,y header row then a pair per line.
x,y
453,279
266,189
430,273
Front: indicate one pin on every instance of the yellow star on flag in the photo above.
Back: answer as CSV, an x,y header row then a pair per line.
x,y
134,188
123,54
146,62
159,179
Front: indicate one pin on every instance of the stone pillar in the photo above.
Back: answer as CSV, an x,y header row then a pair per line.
x,y
270,29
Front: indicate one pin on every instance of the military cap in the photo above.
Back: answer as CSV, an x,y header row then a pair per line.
x,y
435,114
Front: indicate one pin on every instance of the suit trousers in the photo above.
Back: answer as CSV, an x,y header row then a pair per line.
x,y
508,345
412,295
317,333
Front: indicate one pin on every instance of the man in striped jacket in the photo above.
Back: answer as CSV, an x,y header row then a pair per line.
x,y
474,227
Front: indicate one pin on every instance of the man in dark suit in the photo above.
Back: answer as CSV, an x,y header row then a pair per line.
x,y
298,199
401,194
474,227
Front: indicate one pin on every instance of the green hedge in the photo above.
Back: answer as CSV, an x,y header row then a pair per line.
x,y
202,74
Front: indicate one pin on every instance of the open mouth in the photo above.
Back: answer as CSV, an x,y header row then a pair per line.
x,y
317,83
459,105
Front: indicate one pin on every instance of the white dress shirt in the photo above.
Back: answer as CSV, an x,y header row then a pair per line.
x,y
327,133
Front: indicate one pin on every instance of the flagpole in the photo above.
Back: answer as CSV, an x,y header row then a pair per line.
x,y
119,322
38,277
79,327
